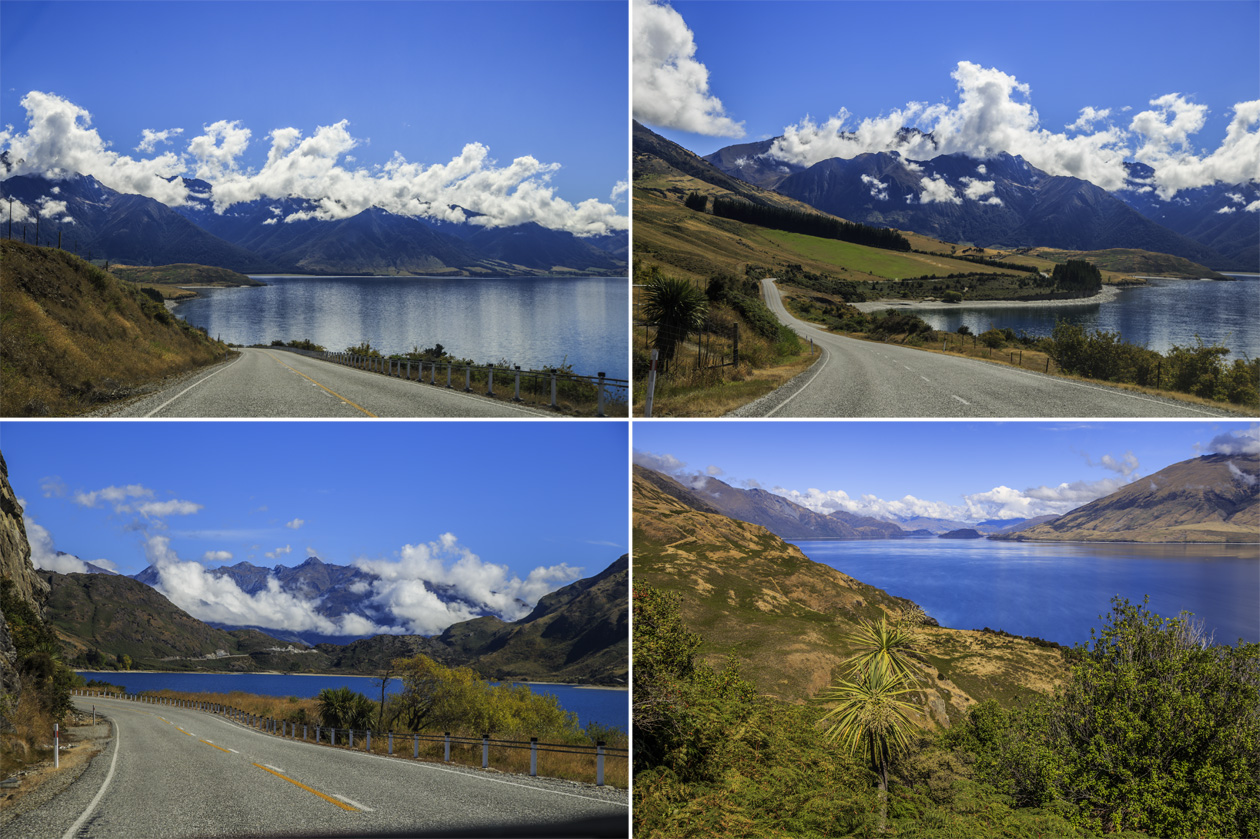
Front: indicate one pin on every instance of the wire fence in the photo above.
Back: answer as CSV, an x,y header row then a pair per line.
x,y
550,388
484,751
710,347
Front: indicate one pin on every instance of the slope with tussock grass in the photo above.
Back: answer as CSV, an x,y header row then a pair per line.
x,y
73,336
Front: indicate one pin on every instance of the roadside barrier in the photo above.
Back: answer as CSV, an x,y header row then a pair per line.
x,y
333,737
549,387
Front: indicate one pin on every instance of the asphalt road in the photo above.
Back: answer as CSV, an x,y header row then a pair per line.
x,y
274,383
864,379
172,772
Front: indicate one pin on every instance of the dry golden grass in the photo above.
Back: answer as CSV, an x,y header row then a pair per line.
x,y
72,336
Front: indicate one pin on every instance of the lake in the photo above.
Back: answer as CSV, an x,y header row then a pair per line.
x,y
533,322
1056,591
606,706
1156,316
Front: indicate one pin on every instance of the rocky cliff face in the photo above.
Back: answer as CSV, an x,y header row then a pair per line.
x,y
15,565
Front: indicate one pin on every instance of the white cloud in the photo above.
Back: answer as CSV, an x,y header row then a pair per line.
x,y
208,597
216,556
994,113
174,507
1246,441
936,191
1244,477
1089,116
113,495
407,588
713,471
295,524
879,189
671,88
666,463
619,190
59,141
279,552
106,564
981,191
1254,206
1235,197
150,138
1225,210
44,553
53,487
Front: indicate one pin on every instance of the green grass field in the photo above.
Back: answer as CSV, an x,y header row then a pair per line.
x,y
889,265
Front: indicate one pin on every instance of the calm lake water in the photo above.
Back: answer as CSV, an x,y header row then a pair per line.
x,y
1057,591
532,322
605,706
1157,316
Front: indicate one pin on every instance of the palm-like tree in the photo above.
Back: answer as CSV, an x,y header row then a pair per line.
x,y
871,717
676,306
882,643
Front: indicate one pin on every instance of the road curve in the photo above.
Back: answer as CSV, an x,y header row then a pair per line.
x,y
275,383
857,378
171,772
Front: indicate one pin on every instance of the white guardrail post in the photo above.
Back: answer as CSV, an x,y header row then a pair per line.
x,y
56,746
599,411
599,763
448,747
485,751
651,386
533,757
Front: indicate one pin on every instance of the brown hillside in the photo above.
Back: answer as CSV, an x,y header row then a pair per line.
x,y
1208,499
784,616
73,336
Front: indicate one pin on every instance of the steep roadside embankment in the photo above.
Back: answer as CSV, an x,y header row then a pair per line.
x,y
73,336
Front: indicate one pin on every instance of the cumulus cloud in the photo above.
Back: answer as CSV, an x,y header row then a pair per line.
x,y
114,495
1243,477
1089,116
671,88
1254,206
105,564
173,507
150,138
1224,210
408,588
208,597
1245,441
53,487
981,191
666,463
295,524
59,141
879,189
936,191
713,471
279,552
994,113
619,190
216,556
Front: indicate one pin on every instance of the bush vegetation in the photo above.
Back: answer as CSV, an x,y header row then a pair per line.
x,y
1157,732
809,224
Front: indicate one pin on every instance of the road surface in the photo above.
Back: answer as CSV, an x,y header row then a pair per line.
x,y
274,383
171,772
866,379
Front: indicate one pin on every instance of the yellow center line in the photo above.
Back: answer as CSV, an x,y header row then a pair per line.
x,y
213,746
330,390
327,798
177,728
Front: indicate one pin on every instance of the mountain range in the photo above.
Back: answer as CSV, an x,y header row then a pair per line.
x,y
578,633
254,237
1214,498
1003,201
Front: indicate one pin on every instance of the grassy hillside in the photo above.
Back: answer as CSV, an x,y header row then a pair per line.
x,y
1133,261
73,336
182,273
117,615
784,617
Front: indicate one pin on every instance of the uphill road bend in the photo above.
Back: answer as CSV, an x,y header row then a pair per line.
x,y
855,378
175,772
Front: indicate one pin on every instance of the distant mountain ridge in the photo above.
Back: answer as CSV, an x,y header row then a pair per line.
x,y
1205,225
253,237
1215,498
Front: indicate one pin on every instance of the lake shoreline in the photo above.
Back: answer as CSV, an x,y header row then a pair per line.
x,y
121,673
1106,295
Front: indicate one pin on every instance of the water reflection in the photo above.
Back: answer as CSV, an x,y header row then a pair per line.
x,y
531,322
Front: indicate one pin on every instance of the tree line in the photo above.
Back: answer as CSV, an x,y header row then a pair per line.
x,y
795,221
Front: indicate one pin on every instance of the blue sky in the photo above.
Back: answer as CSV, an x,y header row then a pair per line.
x,y
536,79
521,495
772,64
964,470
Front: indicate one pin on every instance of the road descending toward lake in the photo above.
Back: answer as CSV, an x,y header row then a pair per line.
x,y
275,383
865,379
172,772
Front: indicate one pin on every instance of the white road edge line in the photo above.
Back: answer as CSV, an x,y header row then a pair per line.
x,y
274,768
190,387
351,802
100,793
960,399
